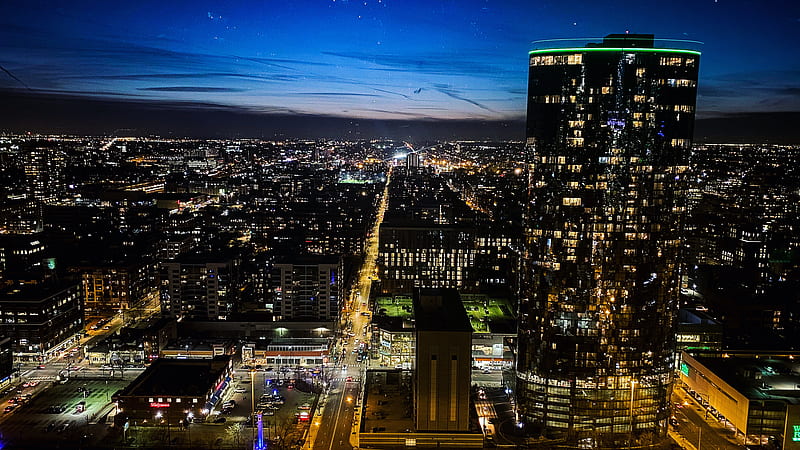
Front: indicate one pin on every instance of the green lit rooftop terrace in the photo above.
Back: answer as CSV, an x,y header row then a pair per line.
x,y
486,314
400,306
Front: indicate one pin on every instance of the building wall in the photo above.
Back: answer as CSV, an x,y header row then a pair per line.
x,y
306,291
39,320
107,290
719,394
199,291
442,385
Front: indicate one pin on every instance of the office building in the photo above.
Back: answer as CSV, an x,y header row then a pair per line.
x,y
41,319
609,131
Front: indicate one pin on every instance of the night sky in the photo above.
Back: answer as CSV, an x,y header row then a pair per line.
x,y
452,62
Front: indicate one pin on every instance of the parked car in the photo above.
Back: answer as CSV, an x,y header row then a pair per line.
x,y
240,390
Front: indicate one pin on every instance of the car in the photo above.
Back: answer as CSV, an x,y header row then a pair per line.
x,y
349,379
268,412
26,384
226,410
673,421
9,408
41,366
220,420
107,327
240,390
487,370
33,384
304,406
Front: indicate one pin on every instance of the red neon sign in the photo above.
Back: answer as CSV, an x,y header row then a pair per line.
x,y
159,405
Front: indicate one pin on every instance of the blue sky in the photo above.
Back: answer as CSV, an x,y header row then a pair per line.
x,y
383,59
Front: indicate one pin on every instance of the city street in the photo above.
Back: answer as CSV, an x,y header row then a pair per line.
x,y
696,428
336,427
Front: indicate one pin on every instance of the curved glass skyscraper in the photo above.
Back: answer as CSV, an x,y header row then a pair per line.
x,y
609,132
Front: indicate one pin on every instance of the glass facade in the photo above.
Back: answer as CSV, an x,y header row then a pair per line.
x,y
608,135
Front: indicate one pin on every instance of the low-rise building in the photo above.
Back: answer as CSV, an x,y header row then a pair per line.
x,y
758,394
139,343
173,391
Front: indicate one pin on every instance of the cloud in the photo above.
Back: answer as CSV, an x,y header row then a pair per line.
x,y
190,76
446,90
333,94
393,93
430,63
191,89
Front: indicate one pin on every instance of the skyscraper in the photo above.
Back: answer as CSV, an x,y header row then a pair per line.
x,y
608,133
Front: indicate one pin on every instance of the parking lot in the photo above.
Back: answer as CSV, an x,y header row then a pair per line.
x,y
77,411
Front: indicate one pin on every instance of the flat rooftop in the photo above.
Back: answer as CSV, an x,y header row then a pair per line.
x,y
486,314
759,378
178,377
388,404
489,315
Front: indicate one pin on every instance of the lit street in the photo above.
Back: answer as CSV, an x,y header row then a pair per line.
x,y
336,425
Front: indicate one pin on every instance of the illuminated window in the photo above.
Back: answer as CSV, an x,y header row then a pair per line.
x,y
571,201
671,61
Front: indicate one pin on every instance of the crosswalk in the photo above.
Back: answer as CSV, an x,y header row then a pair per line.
x,y
42,378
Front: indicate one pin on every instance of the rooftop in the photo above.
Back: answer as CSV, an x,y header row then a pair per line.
x,y
759,378
617,43
440,310
178,377
489,315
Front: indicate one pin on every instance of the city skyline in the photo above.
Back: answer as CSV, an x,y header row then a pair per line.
x,y
410,70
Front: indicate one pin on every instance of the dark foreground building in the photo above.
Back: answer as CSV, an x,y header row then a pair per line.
x,y
173,391
609,133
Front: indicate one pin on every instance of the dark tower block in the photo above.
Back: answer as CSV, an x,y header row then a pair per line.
x,y
609,133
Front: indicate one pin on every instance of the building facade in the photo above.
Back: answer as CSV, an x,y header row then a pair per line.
x,y
442,376
306,288
609,131
41,320
199,287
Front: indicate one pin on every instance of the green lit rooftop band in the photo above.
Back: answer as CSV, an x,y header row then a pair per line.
x,y
613,49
